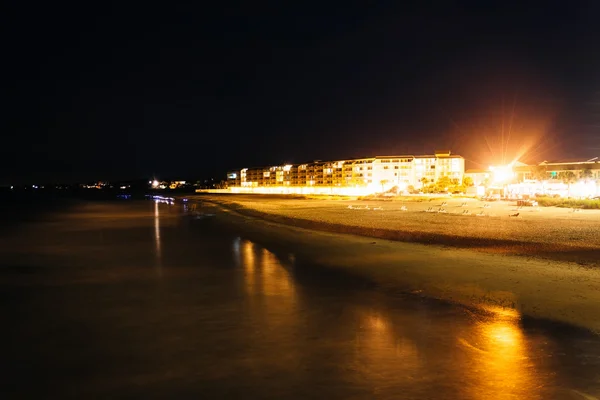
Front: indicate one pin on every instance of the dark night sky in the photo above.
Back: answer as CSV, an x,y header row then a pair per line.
x,y
122,91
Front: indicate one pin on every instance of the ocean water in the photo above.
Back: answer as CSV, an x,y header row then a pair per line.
x,y
137,299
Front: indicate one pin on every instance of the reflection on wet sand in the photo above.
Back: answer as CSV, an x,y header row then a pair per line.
x,y
157,237
500,361
266,278
272,302
384,357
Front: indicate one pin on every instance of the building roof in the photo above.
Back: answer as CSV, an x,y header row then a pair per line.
x,y
571,161
438,154
404,156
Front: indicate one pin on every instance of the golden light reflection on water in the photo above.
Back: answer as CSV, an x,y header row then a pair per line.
x,y
264,274
275,278
272,302
384,357
157,237
501,367
247,252
157,228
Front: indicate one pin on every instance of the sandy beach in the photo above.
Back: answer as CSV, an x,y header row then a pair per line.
x,y
544,232
541,264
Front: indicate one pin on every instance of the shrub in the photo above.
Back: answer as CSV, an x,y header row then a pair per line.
x,y
588,204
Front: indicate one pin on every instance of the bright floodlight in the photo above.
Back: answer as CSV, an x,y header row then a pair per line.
x,y
155,183
501,173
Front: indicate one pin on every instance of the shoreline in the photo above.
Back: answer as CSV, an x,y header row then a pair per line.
x,y
564,237
539,288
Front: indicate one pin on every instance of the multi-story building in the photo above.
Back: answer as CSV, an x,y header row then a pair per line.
x,y
362,175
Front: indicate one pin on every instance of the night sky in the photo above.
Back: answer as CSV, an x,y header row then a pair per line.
x,y
115,91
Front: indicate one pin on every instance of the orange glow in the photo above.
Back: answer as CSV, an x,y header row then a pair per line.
x,y
502,369
383,354
248,256
377,323
272,303
503,335
157,228
275,278
265,275
157,237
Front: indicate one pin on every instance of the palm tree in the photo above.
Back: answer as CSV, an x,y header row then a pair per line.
x,y
539,173
383,183
567,176
587,174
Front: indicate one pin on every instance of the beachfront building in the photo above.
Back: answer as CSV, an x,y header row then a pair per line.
x,y
353,176
566,178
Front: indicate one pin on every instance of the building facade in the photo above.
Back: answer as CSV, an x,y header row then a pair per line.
x,y
567,178
560,170
354,176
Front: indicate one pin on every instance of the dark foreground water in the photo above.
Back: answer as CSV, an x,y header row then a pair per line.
x,y
132,300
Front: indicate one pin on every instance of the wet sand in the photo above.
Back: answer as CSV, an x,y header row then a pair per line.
x,y
556,290
549,233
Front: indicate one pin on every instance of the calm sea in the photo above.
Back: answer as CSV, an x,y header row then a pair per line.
x,y
136,299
